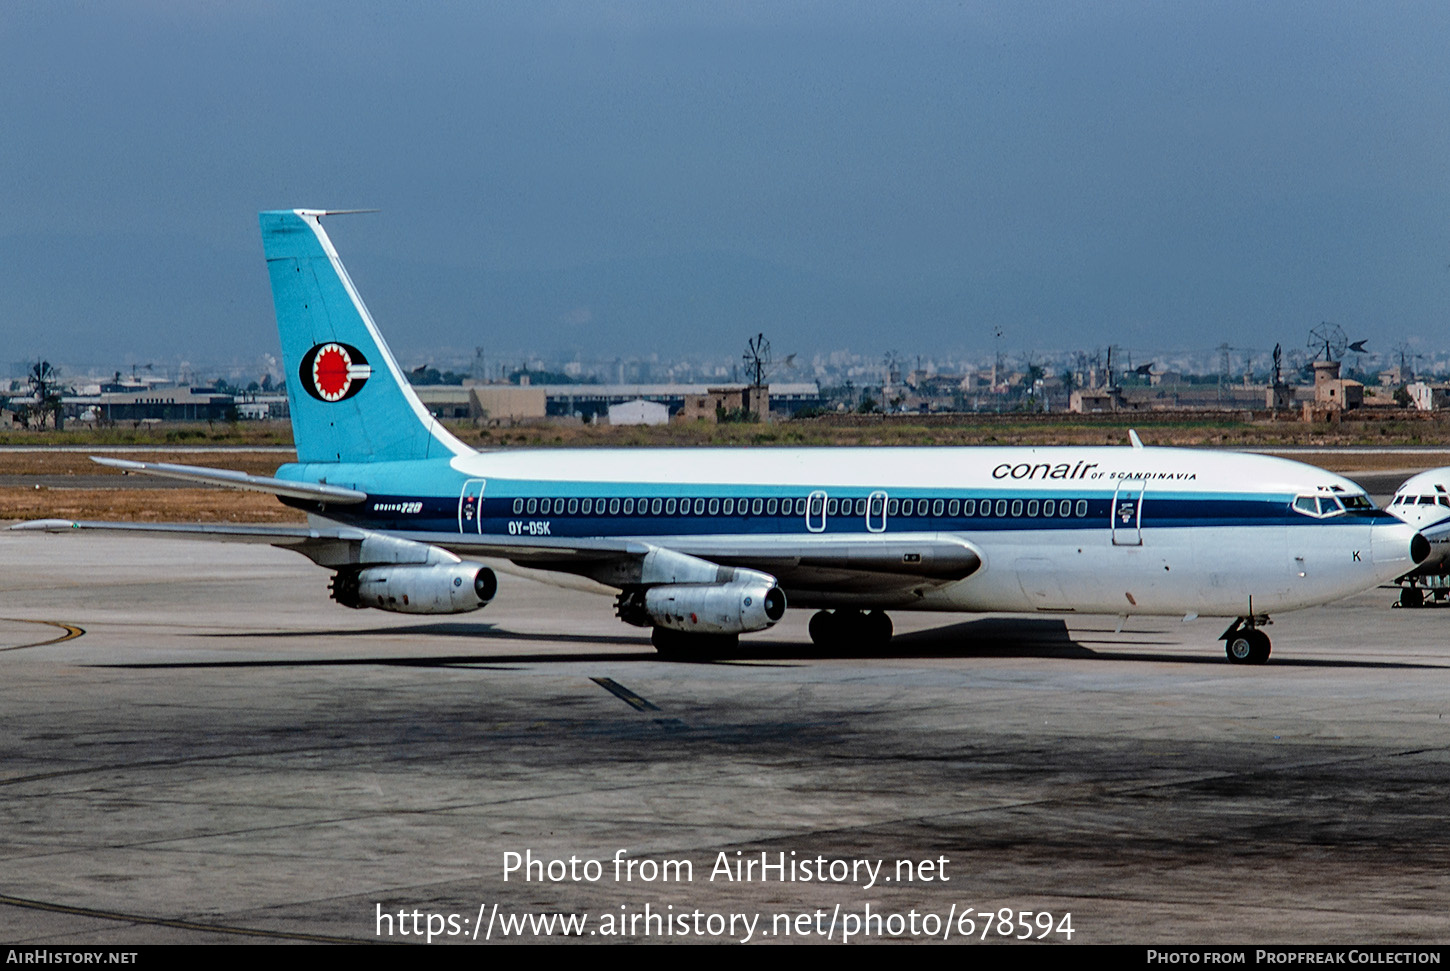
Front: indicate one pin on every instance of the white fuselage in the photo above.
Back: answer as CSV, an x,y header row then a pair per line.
x,y
1424,503
1094,530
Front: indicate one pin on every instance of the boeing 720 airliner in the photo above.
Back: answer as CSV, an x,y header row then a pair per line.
x,y
703,545
1423,501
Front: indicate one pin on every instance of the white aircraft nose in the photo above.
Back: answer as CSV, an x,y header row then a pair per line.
x,y
1397,547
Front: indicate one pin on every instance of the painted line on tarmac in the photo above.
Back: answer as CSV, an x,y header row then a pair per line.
x,y
71,633
624,694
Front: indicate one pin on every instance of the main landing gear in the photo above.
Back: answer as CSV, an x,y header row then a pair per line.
x,y
850,629
1414,596
1244,643
1423,589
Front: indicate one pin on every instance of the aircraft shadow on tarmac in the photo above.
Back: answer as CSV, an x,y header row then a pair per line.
x,y
991,637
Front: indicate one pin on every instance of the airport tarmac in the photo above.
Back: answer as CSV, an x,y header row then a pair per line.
x,y
200,746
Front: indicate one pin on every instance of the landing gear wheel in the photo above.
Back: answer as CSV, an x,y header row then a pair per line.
x,y
878,628
1412,597
837,630
1248,646
822,628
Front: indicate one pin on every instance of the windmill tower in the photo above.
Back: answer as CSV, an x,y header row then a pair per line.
x,y
757,370
1332,393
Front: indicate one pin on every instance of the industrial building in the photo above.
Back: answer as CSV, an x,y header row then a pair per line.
x,y
510,402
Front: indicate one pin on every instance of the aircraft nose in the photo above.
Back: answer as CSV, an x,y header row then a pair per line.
x,y
1398,545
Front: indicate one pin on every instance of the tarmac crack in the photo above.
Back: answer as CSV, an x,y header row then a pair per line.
x,y
187,925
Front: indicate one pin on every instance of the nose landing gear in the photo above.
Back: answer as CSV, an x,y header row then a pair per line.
x,y
1244,643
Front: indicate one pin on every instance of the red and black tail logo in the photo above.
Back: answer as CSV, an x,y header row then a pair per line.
x,y
334,372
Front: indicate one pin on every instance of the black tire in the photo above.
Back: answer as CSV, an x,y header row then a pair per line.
x,y
1412,597
878,628
822,629
1248,646
842,630
851,631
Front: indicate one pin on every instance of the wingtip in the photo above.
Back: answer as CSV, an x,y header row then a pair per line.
x,y
125,465
46,525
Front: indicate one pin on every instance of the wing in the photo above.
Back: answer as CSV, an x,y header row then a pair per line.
x,y
815,570
317,492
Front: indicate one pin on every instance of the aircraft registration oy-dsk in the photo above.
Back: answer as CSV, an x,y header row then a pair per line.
x,y
703,545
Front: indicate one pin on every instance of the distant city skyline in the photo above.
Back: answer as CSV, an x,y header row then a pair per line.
x,y
826,367
615,179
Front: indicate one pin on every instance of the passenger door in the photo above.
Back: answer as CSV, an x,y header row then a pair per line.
x,y
816,511
876,512
1127,512
470,506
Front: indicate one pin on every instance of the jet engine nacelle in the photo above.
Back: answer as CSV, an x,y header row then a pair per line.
x,y
448,588
714,608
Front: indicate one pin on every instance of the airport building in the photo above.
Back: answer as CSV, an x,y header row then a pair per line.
x,y
639,412
155,404
510,402
593,400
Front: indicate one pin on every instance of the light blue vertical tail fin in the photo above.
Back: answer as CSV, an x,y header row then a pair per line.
x,y
348,397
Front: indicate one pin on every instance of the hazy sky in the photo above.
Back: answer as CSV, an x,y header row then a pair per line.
x,y
624,177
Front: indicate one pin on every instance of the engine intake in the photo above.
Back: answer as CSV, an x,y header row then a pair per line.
x,y
452,588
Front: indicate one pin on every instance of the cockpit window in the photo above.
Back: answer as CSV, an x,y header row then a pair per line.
x,y
1322,507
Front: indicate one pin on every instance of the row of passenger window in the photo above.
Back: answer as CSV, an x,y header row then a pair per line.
x,y
759,506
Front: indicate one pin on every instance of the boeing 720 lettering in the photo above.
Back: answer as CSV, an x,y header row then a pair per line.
x,y
703,545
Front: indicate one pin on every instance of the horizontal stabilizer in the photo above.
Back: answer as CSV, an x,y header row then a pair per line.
x,y
238,480
215,532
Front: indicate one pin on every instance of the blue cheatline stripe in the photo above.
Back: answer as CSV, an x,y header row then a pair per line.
x,y
1007,512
